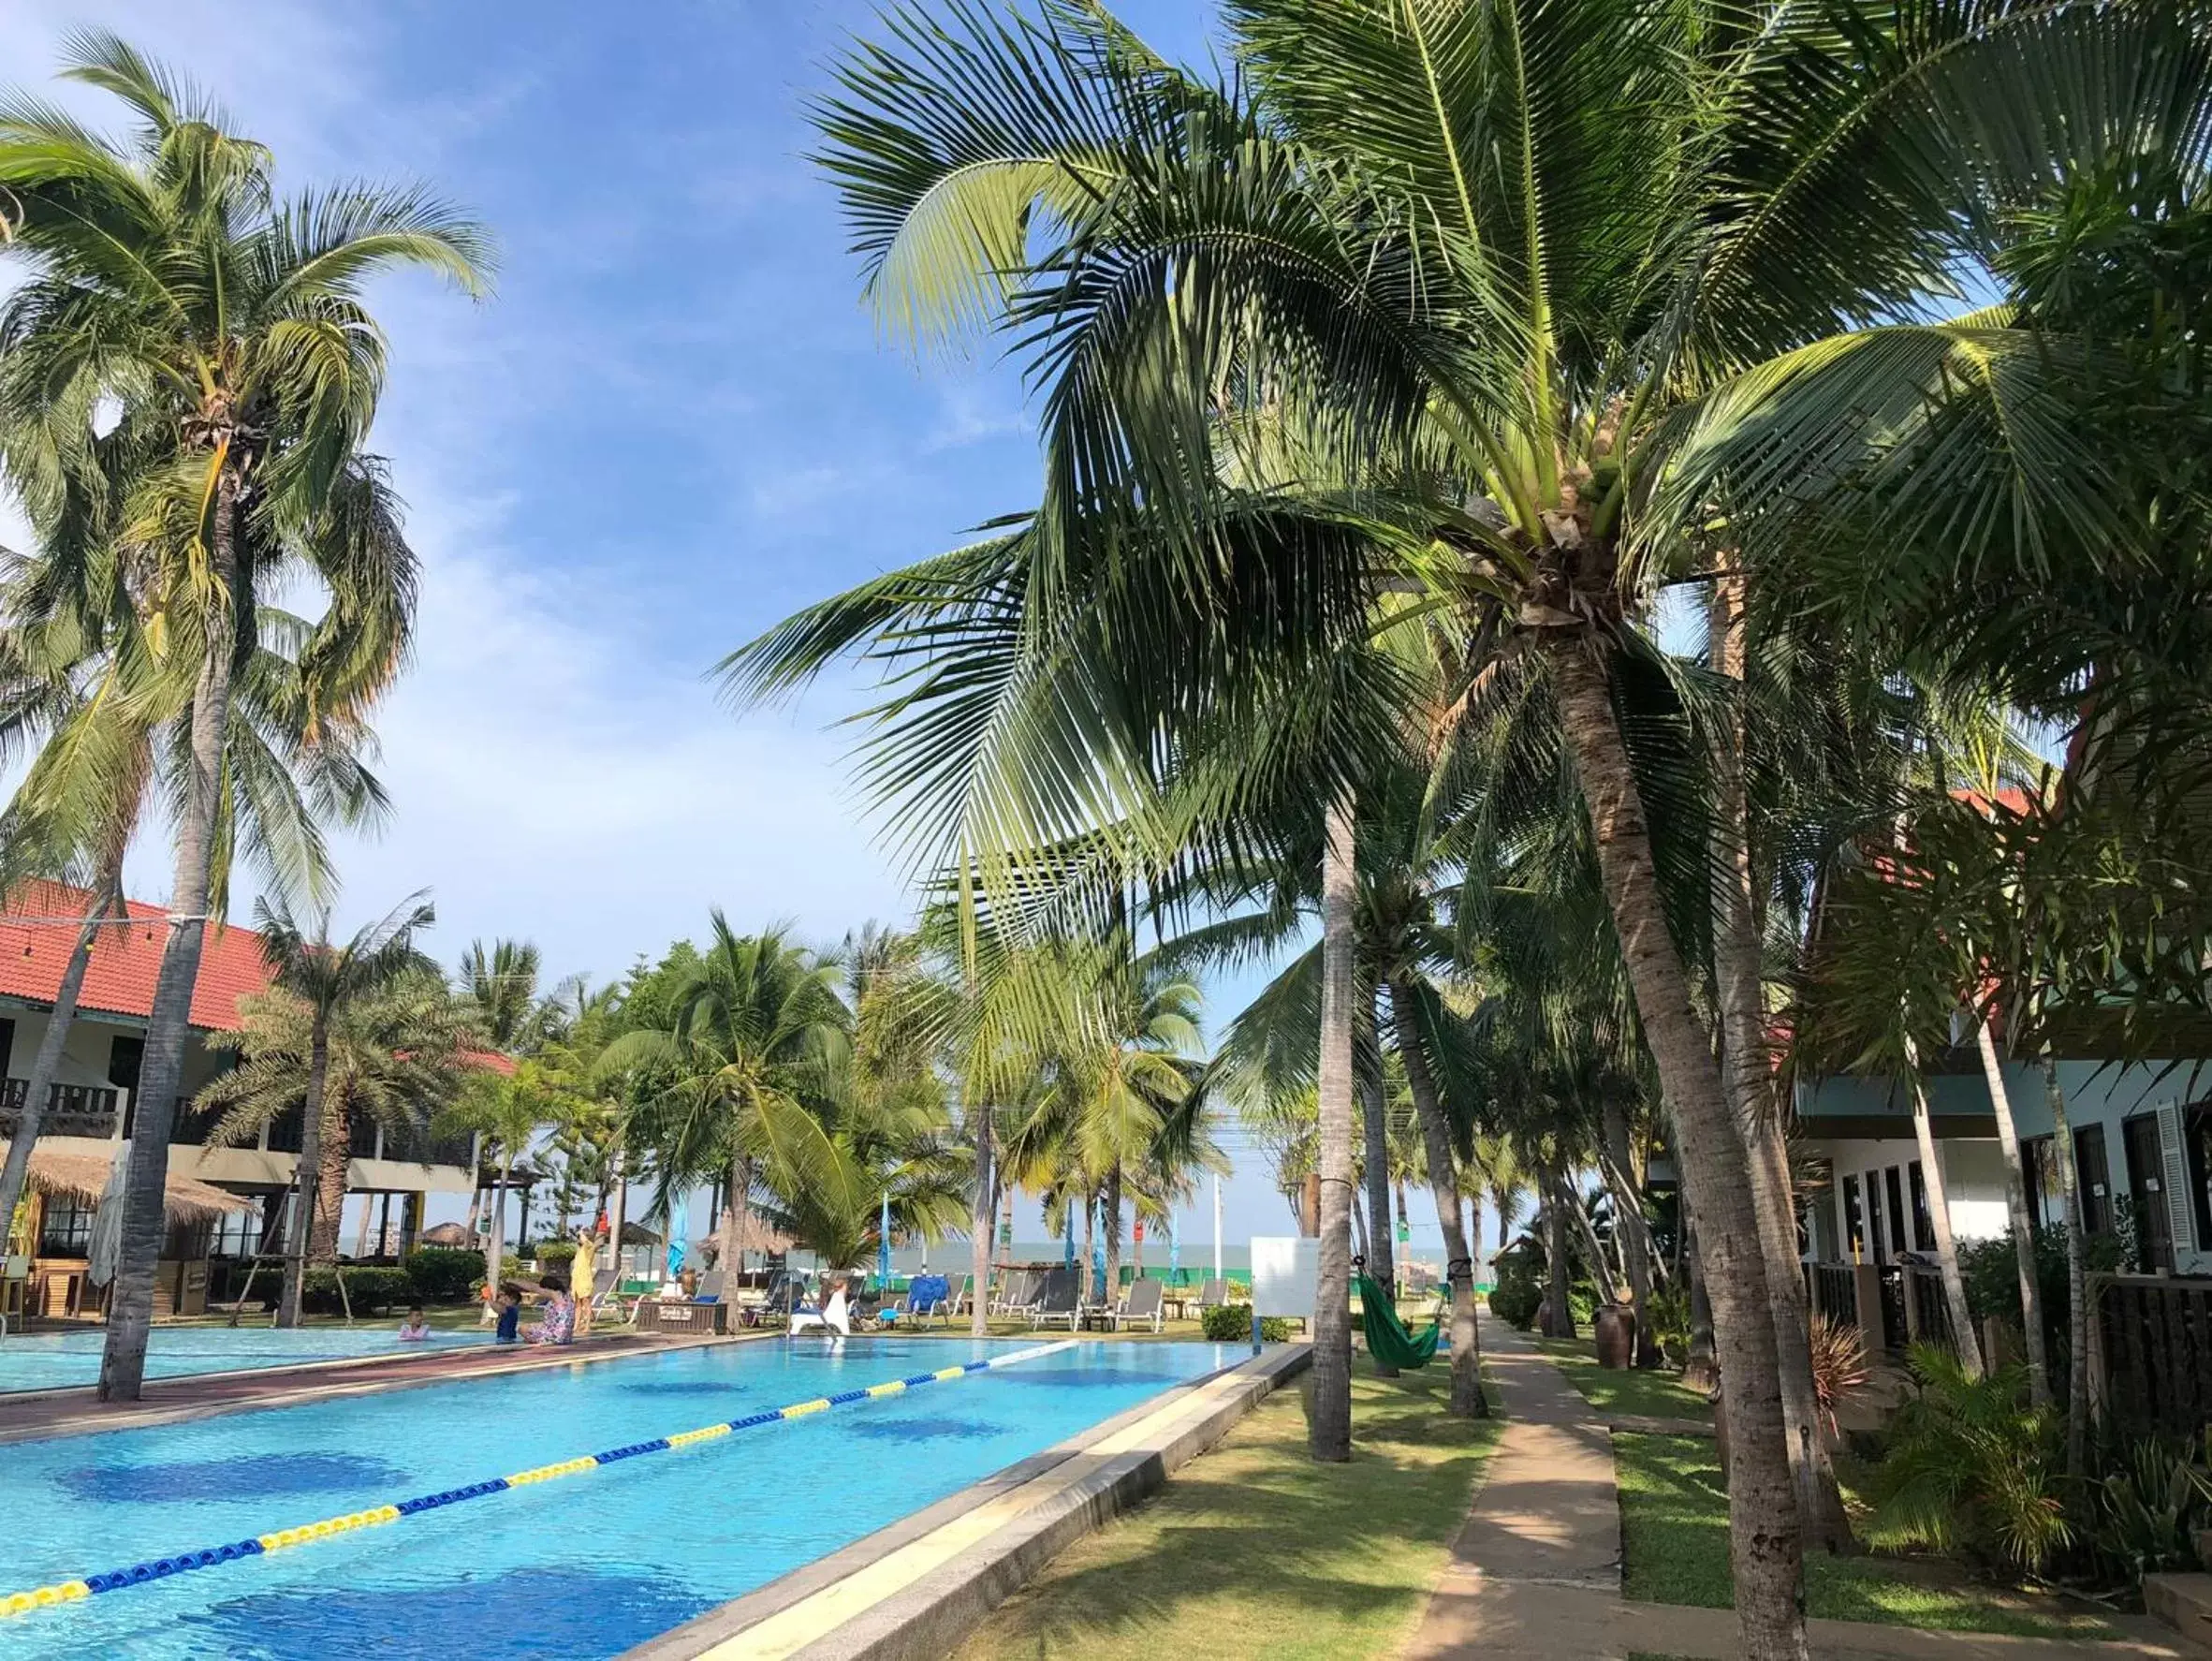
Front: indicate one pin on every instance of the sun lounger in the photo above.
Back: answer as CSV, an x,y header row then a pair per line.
x,y
1020,1293
1214,1294
710,1285
1142,1304
1060,1299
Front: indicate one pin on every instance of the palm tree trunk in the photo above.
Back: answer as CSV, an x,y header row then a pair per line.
x,y
1382,1262
1088,1272
736,1215
1467,1400
1740,982
2015,1205
1113,1235
1700,1371
48,1062
330,1209
1503,1199
1558,1304
1601,1266
1765,1543
307,1183
2077,1289
1329,1425
1629,1225
980,1216
495,1241
1939,1212
130,1306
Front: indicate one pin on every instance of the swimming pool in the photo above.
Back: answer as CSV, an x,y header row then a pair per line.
x,y
57,1362
585,1567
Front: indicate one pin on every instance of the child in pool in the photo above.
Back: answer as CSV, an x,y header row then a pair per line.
x,y
416,1327
510,1316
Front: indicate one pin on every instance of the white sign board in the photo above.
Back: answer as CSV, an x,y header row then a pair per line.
x,y
1284,1271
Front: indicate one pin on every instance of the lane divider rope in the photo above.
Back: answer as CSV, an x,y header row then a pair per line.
x,y
307,1534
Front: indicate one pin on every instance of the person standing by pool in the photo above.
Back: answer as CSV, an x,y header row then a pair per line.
x,y
416,1327
583,1271
559,1324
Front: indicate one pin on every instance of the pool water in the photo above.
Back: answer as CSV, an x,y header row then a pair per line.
x,y
58,1362
584,1567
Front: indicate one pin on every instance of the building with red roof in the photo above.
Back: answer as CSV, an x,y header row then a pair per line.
x,y
89,1108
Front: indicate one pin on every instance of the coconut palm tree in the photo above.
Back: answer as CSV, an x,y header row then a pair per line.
x,y
737,1088
1513,283
164,278
101,720
328,979
503,984
364,1032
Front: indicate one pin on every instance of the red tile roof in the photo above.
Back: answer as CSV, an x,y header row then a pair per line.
x,y
125,958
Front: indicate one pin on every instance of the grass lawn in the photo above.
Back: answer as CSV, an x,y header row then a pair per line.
x,y
1625,1391
1255,1550
1674,1527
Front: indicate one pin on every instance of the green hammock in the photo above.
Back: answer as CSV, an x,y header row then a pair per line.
x,y
1388,1340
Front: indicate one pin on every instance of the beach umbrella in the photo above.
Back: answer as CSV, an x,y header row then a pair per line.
x,y
883,1244
1174,1247
1098,1258
678,1229
106,1249
1070,1258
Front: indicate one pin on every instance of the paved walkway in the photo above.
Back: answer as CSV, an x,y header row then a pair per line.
x,y
1535,1571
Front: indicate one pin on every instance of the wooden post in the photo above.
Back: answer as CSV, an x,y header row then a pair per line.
x,y
1865,1288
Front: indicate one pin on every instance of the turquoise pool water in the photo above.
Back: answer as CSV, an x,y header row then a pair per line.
x,y
57,1362
581,1568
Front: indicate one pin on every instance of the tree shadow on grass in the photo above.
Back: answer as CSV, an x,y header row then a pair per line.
x,y
1257,1543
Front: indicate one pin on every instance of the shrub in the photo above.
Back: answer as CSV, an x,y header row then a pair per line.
x,y
370,1290
442,1274
1971,1467
1519,1292
1230,1323
2144,1515
1838,1364
556,1253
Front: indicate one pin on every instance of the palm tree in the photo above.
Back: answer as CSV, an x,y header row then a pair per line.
x,y
227,332
374,1039
502,983
1512,284
328,980
737,1089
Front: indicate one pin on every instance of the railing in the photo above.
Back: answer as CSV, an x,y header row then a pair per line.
x,y
1830,1291
71,1109
2151,1352
1927,1315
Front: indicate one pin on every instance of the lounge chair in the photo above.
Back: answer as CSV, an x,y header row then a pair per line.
x,y
927,1295
1020,1294
605,1295
1214,1294
710,1285
960,1300
1060,1299
1142,1304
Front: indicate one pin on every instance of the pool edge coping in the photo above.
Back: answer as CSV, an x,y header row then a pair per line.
x,y
356,1376
929,1616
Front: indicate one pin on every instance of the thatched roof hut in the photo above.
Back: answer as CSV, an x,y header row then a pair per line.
x,y
83,1178
444,1234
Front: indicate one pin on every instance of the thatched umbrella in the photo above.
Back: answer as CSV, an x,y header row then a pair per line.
x,y
444,1234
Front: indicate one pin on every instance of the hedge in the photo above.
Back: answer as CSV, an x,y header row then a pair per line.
x,y
1226,1323
371,1290
556,1253
442,1275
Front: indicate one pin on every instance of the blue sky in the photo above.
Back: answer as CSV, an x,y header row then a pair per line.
x,y
672,425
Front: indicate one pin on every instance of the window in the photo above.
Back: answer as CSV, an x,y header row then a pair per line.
x,y
2196,1135
284,1130
1877,1235
238,1234
1924,1222
7,1046
1897,1210
2092,1177
66,1230
1854,1221
2147,1184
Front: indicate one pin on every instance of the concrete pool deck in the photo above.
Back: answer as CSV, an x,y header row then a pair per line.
x,y
33,1415
916,1588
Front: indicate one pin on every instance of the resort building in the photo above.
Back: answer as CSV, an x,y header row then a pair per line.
x,y
226,1204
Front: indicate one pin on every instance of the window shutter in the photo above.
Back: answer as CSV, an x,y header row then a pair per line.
x,y
2176,1180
